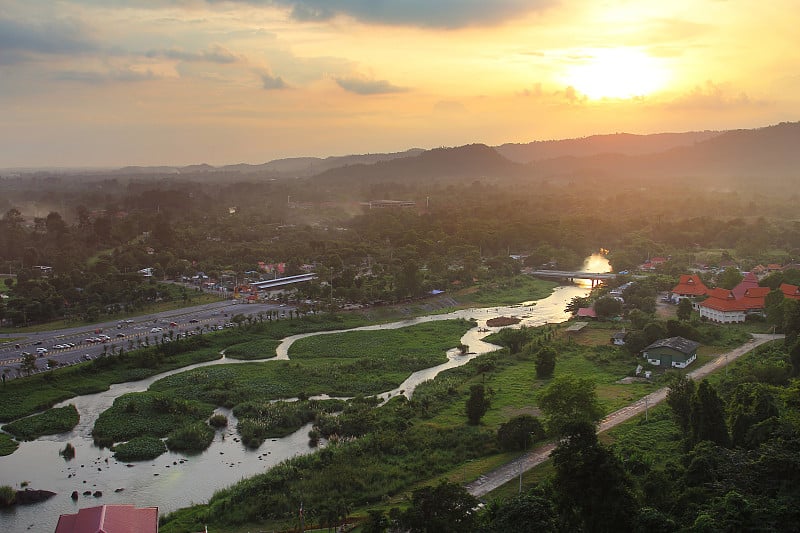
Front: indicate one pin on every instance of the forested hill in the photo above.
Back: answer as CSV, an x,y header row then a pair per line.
x,y
741,158
617,143
464,163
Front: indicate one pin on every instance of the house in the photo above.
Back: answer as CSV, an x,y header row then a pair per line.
x,y
790,291
675,352
653,263
586,312
689,286
111,519
618,338
724,307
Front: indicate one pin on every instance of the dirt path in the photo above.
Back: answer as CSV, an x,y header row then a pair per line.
x,y
502,475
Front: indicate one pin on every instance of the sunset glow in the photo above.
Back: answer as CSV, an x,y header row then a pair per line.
x,y
86,83
617,73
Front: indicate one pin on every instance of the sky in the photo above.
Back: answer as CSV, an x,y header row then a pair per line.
x,y
109,83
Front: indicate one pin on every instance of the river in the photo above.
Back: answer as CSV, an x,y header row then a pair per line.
x,y
174,480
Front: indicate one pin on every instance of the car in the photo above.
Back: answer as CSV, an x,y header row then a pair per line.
x,y
37,343
24,354
193,321
41,350
120,335
87,357
173,324
156,330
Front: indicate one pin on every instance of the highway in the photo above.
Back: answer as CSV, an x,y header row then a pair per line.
x,y
120,332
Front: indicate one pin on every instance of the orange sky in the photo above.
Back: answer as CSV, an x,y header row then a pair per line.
x,y
113,82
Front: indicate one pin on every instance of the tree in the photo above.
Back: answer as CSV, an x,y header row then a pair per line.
x,y
545,362
446,508
684,309
607,306
28,363
707,417
729,278
531,512
592,490
477,404
679,399
567,400
520,432
576,303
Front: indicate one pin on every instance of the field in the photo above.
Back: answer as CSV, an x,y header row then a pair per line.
x,y
50,422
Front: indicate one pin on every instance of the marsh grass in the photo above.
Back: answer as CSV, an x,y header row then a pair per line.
x,y
50,422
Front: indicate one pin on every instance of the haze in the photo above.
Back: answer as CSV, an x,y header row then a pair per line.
x,y
113,83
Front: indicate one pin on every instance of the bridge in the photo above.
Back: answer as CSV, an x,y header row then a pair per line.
x,y
281,282
566,275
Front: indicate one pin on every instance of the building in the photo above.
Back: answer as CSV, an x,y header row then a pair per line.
x,y
689,286
750,281
790,291
724,307
618,338
675,352
110,519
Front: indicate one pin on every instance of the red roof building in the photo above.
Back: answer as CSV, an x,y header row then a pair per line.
x,y
688,286
723,306
110,519
750,281
587,312
790,291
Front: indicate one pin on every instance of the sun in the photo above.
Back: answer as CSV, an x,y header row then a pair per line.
x,y
616,73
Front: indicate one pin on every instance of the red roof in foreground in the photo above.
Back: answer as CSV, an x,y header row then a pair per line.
x,y
790,291
690,285
587,312
110,519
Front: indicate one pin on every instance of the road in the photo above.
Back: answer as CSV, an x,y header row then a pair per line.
x,y
185,320
509,471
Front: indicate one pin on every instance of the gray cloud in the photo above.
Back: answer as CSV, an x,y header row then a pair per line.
x,y
50,37
272,83
217,54
436,14
368,87
111,76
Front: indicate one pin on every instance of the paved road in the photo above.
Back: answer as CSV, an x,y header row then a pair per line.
x,y
185,320
502,475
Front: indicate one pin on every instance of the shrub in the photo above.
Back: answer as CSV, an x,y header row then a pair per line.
x,y
140,449
68,452
191,438
7,495
218,421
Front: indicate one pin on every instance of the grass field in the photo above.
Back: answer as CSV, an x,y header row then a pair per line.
x,y
507,292
7,445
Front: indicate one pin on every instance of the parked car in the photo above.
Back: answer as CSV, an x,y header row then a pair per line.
x,y
41,350
156,330
193,321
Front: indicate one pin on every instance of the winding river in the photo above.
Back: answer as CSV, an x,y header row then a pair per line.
x,y
174,480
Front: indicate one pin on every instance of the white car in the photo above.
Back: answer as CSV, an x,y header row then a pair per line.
x,y
41,350
156,330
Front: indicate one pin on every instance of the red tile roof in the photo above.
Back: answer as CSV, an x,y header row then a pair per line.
x,y
790,291
690,285
110,519
587,312
750,281
724,300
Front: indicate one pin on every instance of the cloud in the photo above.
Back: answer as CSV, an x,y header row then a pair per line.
x,y
272,83
437,14
50,37
217,54
368,87
713,96
102,77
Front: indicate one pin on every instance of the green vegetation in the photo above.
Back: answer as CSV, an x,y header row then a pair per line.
x,y
218,421
7,445
139,449
50,422
508,291
68,452
190,438
260,420
256,349
7,495
22,397
146,414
